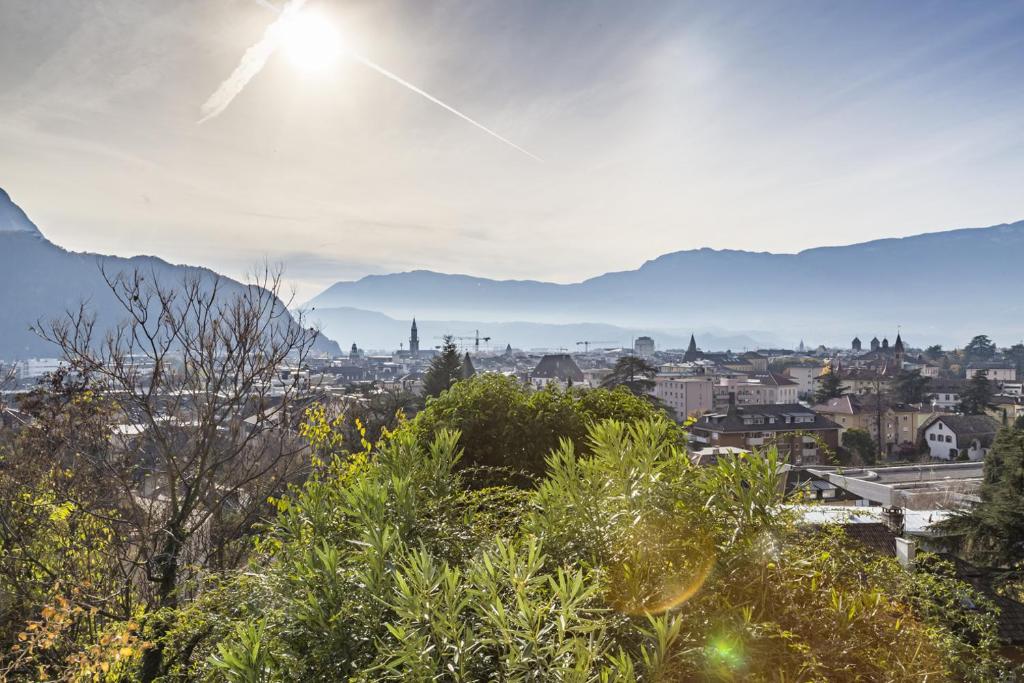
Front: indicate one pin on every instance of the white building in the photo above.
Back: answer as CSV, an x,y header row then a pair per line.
x,y
995,374
945,396
33,368
952,436
686,396
804,376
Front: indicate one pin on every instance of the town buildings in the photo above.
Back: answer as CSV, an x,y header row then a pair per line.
x,y
800,434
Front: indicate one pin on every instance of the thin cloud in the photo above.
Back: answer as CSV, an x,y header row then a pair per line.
x,y
253,61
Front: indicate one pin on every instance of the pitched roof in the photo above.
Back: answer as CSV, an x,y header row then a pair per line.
x,y
558,366
781,417
981,427
774,379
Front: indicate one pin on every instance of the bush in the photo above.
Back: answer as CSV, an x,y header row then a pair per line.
x,y
506,425
626,563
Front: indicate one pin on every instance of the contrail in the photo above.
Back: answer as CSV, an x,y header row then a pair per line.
x,y
401,81
255,58
253,61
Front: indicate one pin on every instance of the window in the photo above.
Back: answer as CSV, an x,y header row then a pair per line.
x,y
931,437
949,439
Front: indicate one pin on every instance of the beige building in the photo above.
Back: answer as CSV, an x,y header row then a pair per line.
x,y
766,389
686,396
994,373
899,423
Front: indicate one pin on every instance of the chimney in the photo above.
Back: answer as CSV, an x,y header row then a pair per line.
x,y
906,550
894,519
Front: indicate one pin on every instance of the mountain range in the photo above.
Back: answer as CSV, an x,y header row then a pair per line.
x,y
40,281
940,287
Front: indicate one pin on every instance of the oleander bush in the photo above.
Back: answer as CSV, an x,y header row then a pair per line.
x,y
624,563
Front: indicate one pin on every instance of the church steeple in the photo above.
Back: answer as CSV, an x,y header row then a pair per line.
x,y
414,340
691,351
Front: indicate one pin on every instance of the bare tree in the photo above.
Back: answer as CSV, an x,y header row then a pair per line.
x,y
205,376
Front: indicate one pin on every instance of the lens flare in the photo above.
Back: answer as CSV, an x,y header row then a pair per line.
x,y
658,570
724,654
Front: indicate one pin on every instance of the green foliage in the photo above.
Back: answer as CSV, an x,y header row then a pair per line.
x,y
632,372
860,442
933,352
1016,354
507,425
977,394
991,533
980,348
444,371
626,563
910,387
830,385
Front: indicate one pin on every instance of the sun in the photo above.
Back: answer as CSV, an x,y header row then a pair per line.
x,y
311,41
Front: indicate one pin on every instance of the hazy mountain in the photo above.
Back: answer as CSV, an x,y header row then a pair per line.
x,y
942,287
40,280
372,330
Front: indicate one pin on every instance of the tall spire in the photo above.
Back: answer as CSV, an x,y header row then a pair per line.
x,y
414,340
691,350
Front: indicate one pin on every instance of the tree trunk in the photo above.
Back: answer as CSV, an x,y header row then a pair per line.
x,y
167,597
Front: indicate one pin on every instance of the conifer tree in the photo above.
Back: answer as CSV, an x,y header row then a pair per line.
x,y
992,533
445,369
977,395
830,385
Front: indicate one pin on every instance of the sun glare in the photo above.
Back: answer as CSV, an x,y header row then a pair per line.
x,y
311,42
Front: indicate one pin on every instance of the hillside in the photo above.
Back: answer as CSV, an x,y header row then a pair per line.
x,y
822,294
41,280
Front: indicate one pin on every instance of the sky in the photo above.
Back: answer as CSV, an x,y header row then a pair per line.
x,y
662,126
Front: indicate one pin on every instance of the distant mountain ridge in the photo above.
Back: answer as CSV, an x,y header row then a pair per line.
x,y
40,280
941,286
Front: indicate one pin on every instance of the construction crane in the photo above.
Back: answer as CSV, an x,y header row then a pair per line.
x,y
586,343
476,338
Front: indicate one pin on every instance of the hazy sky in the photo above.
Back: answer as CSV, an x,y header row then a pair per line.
x,y
663,126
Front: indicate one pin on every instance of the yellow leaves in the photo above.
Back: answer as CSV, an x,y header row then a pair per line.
x,y
61,512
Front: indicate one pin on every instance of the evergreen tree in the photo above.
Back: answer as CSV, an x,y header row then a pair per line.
x,y
830,385
977,395
933,352
859,441
631,372
980,348
1016,354
992,533
910,386
445,369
